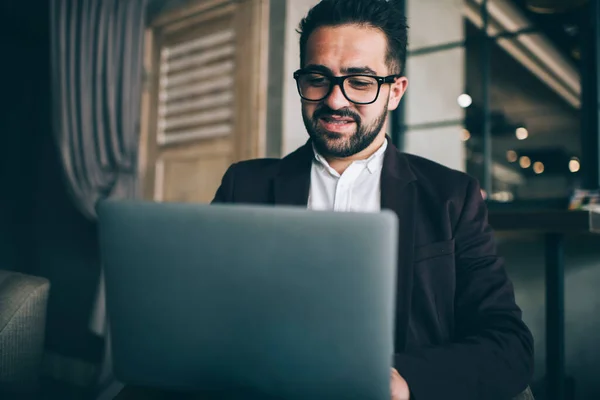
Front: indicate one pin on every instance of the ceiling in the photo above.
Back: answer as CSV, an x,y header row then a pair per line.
x,y
518,98
562,28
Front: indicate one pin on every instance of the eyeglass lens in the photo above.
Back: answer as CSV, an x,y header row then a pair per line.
x,y
358,89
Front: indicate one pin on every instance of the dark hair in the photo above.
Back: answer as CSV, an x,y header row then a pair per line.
x,y
385,15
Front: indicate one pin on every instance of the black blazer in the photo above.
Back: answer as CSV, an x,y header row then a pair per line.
x,y
459,333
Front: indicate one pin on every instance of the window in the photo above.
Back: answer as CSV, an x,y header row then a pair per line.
x,y
534,102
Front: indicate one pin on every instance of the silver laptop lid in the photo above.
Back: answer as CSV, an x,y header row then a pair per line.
x,y
250,301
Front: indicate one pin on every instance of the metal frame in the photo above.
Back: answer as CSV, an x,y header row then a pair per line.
x,y
555,316
485,84
398,116
590,87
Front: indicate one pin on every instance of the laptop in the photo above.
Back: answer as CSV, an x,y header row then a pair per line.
x,y
250,302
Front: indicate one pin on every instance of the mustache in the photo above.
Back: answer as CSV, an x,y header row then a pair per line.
x,y
342,113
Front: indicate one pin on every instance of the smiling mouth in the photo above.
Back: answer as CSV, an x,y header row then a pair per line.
x,y
337,121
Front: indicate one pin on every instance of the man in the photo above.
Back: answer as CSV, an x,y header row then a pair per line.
x,y
459,333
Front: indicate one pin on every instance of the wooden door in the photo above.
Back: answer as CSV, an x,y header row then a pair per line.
x,y
204,104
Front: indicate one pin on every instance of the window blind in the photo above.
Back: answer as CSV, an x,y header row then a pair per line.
x,y
196,88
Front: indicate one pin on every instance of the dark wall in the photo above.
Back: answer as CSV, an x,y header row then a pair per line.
x,y
41,232
25,114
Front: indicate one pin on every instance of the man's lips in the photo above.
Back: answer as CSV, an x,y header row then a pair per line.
x,y
336,120
337,124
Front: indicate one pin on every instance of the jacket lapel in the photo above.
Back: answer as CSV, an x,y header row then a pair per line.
x,y
292,183
399,195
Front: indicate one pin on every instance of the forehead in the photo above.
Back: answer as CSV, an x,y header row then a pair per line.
x,y
347,46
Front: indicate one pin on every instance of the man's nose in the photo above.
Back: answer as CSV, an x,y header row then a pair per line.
x,y
336,99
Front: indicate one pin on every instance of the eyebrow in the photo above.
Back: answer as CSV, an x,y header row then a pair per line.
x,y
318,68
344,70
358,70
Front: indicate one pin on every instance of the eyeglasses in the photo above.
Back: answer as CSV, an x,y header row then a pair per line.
x,y
357,88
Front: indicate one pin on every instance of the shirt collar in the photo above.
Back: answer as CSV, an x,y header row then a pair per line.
x,y
373,163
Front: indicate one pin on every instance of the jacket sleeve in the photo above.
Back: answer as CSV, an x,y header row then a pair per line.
x,y
225,191
491,355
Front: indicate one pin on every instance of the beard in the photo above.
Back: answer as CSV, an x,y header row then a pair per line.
x,y
339,145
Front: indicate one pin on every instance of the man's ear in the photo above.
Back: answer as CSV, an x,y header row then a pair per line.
x,y
397,90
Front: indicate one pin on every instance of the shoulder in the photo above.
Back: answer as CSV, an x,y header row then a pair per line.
x,y
268,168
251,176
256,168
252,180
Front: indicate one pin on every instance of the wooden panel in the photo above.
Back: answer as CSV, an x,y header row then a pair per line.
x,y
205,147
192,173
190,11
196,86
204,97
251,22
148,147
200,19
193,180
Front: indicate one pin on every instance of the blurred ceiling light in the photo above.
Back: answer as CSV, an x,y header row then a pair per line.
x,y
503,196
511,156
464,100
466,135
525,162
574,165
553,6
538,167
521,133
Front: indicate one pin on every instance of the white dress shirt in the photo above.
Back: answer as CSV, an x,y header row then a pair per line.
x,y
357,189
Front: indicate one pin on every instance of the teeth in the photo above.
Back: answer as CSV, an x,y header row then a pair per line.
x,y
337,121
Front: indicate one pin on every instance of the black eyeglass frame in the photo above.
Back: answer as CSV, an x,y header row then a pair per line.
x,y
339,81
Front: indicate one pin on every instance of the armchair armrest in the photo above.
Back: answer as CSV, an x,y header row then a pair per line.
x,y
23,301
525,395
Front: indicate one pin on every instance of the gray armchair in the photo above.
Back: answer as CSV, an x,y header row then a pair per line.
x,y
23,300
526,395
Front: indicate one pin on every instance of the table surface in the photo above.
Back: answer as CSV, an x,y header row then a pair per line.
x,y
546,221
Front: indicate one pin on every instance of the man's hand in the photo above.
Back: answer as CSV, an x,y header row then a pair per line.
x,y
399,387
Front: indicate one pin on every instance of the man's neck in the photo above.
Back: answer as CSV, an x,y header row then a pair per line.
x,y
341,164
